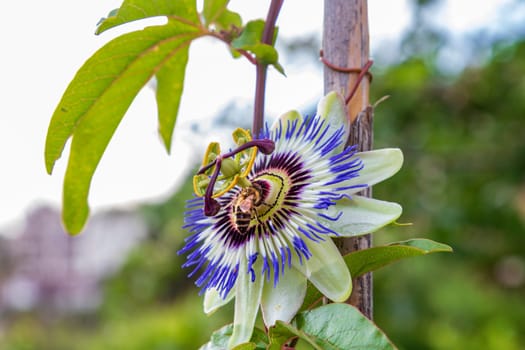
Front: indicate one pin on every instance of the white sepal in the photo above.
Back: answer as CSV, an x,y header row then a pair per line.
x,y
213,300
378,165
332,109
247,299
360,215
327,270
284,300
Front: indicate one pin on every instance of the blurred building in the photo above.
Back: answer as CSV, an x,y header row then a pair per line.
x,y
43,268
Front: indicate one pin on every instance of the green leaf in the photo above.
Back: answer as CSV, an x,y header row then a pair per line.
x,y
96,100
367,260
132,10
220,338
170,82
259,338
371,259
216,13
251,35
341,326
425,245
228,19
250,40
283,332
245,346
264,53
279,68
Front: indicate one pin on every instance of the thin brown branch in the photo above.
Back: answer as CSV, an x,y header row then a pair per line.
x,y
360,77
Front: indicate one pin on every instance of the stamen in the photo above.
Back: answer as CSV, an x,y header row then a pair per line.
x,y
266,146
211,206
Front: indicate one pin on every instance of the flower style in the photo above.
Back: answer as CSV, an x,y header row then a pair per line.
x,y
270,237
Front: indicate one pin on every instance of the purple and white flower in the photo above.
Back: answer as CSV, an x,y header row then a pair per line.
x,y
306,194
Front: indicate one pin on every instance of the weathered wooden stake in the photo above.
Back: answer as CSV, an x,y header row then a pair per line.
x,y
346,44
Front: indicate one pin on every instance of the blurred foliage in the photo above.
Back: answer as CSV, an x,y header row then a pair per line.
x,y
153,270
145,305
161,326
463,183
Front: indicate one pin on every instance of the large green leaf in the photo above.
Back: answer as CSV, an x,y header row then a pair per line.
x,y
170,78
97,98
170,83
367,260
341,326
371,259
132,10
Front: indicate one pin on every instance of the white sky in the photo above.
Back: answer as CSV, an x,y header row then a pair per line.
x,y
44,46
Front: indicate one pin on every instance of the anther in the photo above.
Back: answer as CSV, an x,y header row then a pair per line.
x,y
211,206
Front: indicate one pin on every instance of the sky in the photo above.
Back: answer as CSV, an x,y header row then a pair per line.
x,y
45,46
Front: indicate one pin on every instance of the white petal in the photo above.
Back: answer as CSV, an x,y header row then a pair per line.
x,y
247,300
327,270
332,108
284,300
213,300
378,165
283,120
360,215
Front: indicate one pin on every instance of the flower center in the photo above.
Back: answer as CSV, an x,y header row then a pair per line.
x,y
275,184
256,204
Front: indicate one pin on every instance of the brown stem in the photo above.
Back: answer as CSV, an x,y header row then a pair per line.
x,y
360,77
261,68
258,104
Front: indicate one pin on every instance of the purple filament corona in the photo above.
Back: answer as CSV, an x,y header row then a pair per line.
x,y
288,225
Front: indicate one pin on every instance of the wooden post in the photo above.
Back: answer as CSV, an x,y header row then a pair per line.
x,y
346,44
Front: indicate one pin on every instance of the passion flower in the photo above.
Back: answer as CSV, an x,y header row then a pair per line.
x,y
271,236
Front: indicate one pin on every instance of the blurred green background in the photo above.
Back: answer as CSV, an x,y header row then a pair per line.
x,y
463,183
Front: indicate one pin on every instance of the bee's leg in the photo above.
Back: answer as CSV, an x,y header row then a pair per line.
x,y
228,205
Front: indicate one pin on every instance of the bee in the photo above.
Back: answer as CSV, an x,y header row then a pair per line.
x,y
244,207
